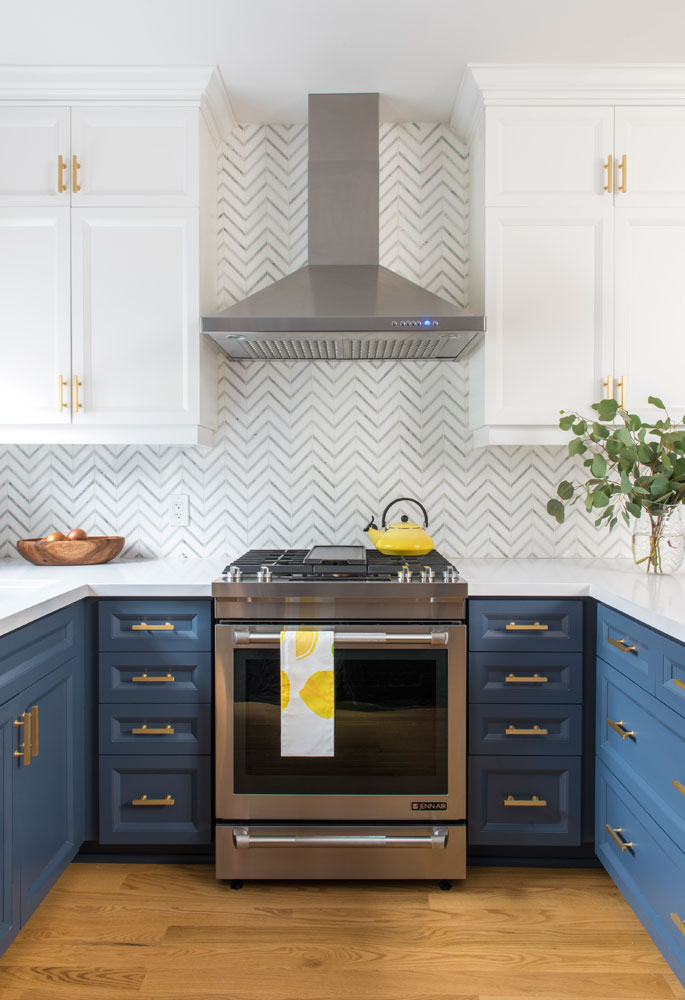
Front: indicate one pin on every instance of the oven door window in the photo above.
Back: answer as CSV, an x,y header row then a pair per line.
x,y
390,726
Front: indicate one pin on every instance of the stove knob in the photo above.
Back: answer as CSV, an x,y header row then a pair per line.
x,y
236,574
404,575
427,575
264,575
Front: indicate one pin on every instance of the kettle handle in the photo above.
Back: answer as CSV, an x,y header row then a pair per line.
x,y
411,500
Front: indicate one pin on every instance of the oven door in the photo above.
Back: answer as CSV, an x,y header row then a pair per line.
x,y
400,727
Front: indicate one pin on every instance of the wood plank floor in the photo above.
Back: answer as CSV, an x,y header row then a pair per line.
x,y
166,932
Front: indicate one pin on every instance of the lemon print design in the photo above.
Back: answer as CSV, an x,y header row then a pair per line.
x,y
318,693
305,643
285,690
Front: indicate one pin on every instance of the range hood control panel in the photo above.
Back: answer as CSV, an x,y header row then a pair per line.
x,y
423,323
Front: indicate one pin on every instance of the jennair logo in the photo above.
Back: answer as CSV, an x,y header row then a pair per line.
x,y
429,806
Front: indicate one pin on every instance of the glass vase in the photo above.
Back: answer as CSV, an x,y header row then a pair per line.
x,y
659,539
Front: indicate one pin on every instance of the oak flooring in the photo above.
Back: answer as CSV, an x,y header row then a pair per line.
x,y
166,932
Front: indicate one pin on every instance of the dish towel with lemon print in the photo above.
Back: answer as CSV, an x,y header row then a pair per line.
x,y
307,694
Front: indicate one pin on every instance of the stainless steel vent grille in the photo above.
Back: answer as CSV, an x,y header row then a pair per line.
x,y
350,348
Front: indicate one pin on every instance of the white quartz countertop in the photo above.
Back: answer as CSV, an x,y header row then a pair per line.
x,y
28,592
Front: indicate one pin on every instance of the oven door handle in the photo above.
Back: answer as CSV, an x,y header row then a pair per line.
x,y
242,838
242,637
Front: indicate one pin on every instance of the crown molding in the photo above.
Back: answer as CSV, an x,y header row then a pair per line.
x,y
198,86
521,84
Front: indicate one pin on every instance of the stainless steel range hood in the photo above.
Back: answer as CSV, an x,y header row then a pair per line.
x,y
343,305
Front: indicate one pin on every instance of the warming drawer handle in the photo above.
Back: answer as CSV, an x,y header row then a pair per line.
x,y
242,838
241,637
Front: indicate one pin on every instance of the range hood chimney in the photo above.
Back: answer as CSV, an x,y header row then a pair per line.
x,y
343,305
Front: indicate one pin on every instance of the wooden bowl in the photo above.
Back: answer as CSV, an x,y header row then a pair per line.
x,y
81,552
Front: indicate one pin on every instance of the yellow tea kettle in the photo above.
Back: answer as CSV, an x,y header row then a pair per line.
x,y
403,538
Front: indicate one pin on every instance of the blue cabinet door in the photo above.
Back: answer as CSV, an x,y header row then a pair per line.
x,y
9,885
46,792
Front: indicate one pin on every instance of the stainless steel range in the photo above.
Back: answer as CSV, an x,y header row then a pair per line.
x,y
390,801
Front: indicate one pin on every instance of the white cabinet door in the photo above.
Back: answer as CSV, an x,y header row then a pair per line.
x,y
547,156
135,156
653,143
31,143
34,315
549,281
650,307
135,315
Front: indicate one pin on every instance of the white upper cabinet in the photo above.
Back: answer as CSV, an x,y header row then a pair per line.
x,y
650,307
577,243
102,283
546,156
135,320
34,156
650,156
134,156
34,316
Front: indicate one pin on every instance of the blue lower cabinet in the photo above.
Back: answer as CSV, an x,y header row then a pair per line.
x,y
520,801
9,878
155,800
155,729
629,646
670,680
646,865
525,677
525,729
156,677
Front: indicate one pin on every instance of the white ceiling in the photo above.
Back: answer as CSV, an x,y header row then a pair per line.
x,y
272,53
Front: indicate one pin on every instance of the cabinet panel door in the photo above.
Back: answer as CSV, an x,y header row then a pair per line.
x,y
34,314
547,156
135,156
650,306
135,315
653,141
31,141
45,792
9,876
549,303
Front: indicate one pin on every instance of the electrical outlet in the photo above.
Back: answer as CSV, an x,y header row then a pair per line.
x,y
178,510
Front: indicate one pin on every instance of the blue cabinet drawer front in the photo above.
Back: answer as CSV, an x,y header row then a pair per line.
x,y
651,762
34,650
156,729
670,679
175,625
155,800
650,874
632,648
526,625
499,787
525,729
155,677
525,677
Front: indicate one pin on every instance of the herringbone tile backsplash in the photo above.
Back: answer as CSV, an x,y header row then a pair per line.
x,y
307,451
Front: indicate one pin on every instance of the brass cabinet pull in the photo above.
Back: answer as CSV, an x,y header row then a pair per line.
x,y
75,166
145,801
679,922
535,679
609,167
144,679
616,834
621,384
535,801
34,731
678,683
608,384
144,730
535,731
619,728
623,167
75,384
61,167
679,785
25,747
144,627
622,644
535,627
61,385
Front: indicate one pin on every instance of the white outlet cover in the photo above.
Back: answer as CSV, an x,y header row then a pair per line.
x,y
178,510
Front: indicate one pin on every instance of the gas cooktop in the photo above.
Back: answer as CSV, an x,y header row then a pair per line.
x,y
339,562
